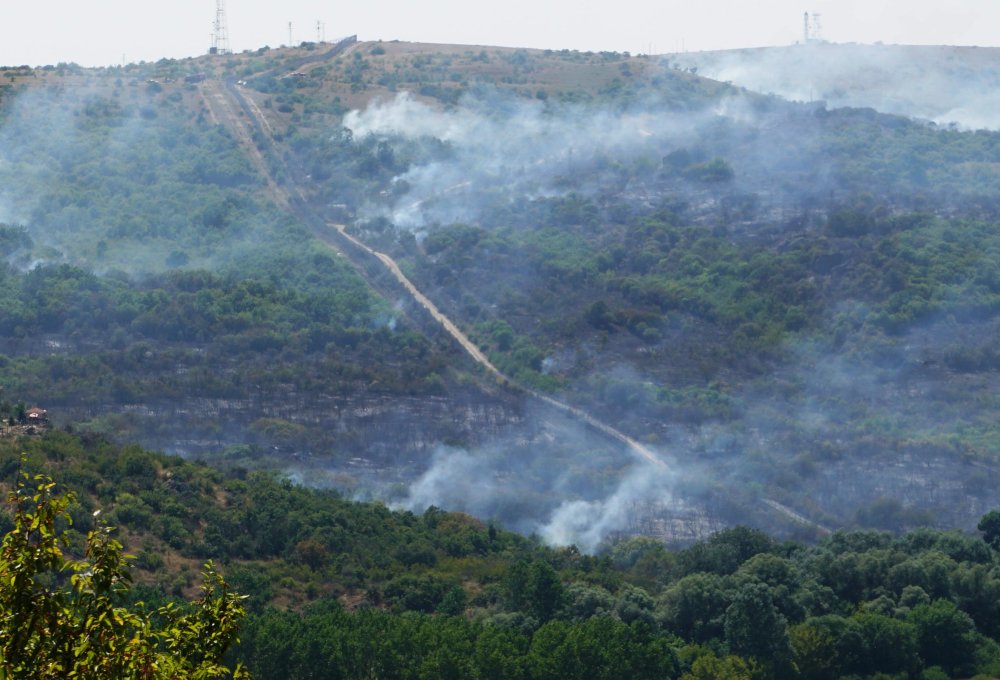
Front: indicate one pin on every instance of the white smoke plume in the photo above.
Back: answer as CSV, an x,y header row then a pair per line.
x,y
587,524
498,148
559,481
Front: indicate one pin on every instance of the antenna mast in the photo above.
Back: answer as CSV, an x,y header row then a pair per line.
x,y
220,32
811,28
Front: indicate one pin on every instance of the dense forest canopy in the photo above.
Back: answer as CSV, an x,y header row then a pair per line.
x,y
344,589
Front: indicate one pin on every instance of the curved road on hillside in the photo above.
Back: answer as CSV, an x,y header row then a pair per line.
x,y
479,357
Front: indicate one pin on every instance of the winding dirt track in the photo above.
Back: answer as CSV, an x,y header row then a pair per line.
x,y
480,358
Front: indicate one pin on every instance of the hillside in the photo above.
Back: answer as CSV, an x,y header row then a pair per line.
x,y
789,307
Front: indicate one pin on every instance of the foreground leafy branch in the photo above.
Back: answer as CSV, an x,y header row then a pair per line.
x,y
62,618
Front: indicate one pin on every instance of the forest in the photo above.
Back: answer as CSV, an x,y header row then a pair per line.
x,y
352,590
773,295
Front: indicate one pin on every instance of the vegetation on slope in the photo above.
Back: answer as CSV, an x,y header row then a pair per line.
x,y
64,617
145,264
355,589
708,269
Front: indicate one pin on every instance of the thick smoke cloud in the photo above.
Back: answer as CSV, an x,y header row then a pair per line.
x,y
587,524
551,477
495,157
499,149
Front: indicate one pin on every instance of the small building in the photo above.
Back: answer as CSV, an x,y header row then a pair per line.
x,y
36,415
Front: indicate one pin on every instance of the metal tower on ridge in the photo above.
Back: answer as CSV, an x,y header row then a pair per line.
x,y
220,31
811,28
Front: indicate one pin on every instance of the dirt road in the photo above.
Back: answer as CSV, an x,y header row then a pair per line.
x,y
224,110
480,358
795,517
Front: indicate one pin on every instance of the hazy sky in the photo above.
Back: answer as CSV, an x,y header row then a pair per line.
x,y
101,32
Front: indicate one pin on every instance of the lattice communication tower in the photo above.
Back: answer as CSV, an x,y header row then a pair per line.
x,y
812,28
220,31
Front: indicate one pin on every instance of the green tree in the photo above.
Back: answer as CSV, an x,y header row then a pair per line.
x,y
61,618
500,655
694,607
990,526
711,667
754,628
826,647
946,636
889,645
545,590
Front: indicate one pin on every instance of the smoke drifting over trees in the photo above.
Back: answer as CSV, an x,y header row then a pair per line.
x,y
494,149
550,477
817,414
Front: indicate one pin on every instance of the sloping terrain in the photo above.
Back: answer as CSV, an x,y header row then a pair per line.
x,y
155,288
793,306
747,283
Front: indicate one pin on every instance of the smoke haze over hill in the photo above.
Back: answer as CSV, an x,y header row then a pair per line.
x,y
946,85
495,149
819,430
783,301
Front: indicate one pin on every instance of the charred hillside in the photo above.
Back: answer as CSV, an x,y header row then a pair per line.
x,y
746,282
792,305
